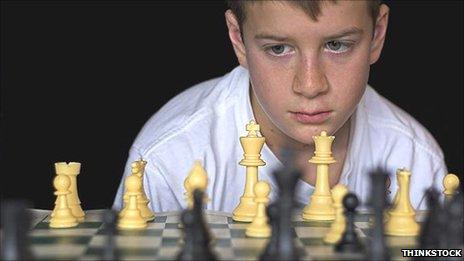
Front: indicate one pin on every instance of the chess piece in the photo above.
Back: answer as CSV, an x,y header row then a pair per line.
x,y
387,184
401,220
252,145
338,226
454,225
320,207
197,179
132,217
205,235
63,217
386,214
450,183
188,223
349,242
197,238
138,168
15,220
427,238
377,248
281,245
72,169
270,250
259,227
110,250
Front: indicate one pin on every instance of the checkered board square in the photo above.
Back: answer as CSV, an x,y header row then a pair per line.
x,y
162,240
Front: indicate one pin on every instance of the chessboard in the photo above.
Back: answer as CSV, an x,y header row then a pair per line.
x,y
162,240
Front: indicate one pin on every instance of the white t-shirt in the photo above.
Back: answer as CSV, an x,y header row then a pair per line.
x,y
205,122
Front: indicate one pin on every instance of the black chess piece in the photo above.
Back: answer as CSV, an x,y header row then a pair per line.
x,y
427,237
349,243
377,249
454,226
282,246
188,250
110,251
272,212
196,234
16,222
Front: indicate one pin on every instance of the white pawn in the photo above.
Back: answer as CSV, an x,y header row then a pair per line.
x,y
62,215
259,227
131,217
338,225
450,184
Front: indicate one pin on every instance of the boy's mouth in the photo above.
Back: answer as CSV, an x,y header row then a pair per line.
x,y
316,117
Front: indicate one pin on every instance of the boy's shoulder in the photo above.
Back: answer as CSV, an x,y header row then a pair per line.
x,y
390,122
193,109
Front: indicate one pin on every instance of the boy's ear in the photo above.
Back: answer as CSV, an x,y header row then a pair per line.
x,y
380,32
236,38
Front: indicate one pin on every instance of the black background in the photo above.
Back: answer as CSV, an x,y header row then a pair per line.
x,y
79,80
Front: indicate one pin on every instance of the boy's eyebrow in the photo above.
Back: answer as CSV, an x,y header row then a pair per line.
x,y
346,32
349,31
271,37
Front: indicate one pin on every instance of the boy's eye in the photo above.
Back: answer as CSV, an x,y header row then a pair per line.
x,y
279,50
337,46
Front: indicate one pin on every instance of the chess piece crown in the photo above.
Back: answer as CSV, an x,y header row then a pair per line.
x,y
323,149
252,145
71,168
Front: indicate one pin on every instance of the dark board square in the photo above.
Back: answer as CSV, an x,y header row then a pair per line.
x,y
247,252
169,241
124,252
310,241
237,233
46,225
222,242
45,240
160,219
171,225
215,225
142,232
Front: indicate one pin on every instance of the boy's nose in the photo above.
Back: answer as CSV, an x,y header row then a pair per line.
x,y
310,80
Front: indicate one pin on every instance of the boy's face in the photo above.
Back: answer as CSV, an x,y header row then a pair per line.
x,y
307,76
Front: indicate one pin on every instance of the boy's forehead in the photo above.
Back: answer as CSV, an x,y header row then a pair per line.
x,y
284,17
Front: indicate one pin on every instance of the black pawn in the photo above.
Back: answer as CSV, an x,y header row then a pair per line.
x,y
16,222
349,243
110,250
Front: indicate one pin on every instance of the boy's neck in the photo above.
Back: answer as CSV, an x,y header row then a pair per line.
x,y
276,140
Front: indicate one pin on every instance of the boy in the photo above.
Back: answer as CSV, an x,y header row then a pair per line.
x,y
304,67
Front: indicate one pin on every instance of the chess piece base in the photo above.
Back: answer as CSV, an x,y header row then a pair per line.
x,y
132,220
333,237
132,225
77,212
146,212
246,210
261,232
319,209
63,219
401,225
